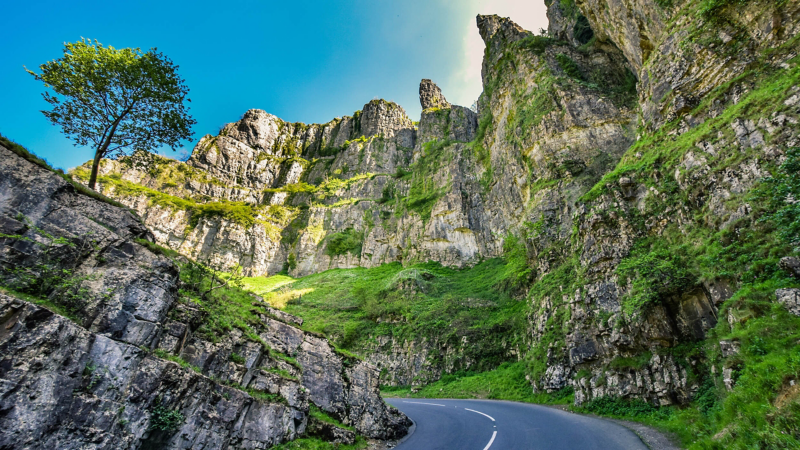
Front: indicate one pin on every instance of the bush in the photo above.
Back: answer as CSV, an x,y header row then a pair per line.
x,y
165,419
654,273
614,406
348,240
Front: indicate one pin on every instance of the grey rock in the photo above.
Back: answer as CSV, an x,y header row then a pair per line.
x,y
93,383
790,298
430,96
729,348
330,433
791,265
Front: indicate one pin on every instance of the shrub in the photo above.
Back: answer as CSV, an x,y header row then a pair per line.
x,y
237,358
654,272
165,419
346,241
614,406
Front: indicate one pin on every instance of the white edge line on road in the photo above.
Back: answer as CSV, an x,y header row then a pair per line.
x,y
423,403
481,414
490,440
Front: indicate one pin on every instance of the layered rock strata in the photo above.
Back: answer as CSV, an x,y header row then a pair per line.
x,y
590,141
95,379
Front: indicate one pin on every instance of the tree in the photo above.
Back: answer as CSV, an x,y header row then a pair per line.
x,y
116,99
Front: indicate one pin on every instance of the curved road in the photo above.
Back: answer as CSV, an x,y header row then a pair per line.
x,y
501,425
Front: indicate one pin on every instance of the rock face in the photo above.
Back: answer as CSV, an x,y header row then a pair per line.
x,y
94,380
430,96
630,123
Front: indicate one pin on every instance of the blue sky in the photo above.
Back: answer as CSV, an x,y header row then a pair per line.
x,y
304,61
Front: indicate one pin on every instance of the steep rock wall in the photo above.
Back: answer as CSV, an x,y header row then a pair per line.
x,y
89,376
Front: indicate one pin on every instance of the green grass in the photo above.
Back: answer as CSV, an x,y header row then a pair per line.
x,y
322,416
307,443
176,359
155,248
282,373
240,213
351,306
425,191
569,66
61,310
507,382
30,156
761,411
264,285
660,151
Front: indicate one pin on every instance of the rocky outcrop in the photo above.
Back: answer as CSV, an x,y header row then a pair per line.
x,y
97,379
65,387
430,96
790,298
627,123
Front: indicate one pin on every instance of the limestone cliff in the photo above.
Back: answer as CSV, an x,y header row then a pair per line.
x,y
622,150
112,359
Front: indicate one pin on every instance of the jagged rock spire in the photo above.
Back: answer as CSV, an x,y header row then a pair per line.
x,y
494,25
430,96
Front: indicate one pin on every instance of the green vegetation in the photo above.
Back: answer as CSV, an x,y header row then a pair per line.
x,y
569,66
347,241
507,382
165,419
616,407
762,409
176,359
425,189
28,156
282,373
534,44
631,363
52,280
531,107
116,99
480,152
155,248
655,271
329,187
309,443
712,10
353,306
241,213
322,416
659,151
781,192
582,31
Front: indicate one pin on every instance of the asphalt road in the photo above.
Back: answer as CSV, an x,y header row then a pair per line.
x,y
500,425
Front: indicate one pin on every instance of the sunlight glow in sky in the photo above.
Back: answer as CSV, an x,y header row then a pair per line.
x,y
305,61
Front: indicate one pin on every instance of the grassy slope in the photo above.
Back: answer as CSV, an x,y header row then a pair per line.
x,y
507,382
762,411
353,306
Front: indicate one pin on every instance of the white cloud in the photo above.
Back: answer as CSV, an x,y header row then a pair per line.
x,y
465,86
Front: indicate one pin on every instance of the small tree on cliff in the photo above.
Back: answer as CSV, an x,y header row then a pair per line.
x,y
116,100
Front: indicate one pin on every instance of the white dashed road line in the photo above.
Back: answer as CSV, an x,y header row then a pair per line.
x,y
423,403
490,441
494,434
480,414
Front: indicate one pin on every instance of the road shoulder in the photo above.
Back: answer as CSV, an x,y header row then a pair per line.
x,y
654,439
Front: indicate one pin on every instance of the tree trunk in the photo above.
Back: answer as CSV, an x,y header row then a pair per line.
x,y
101,151
95,167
